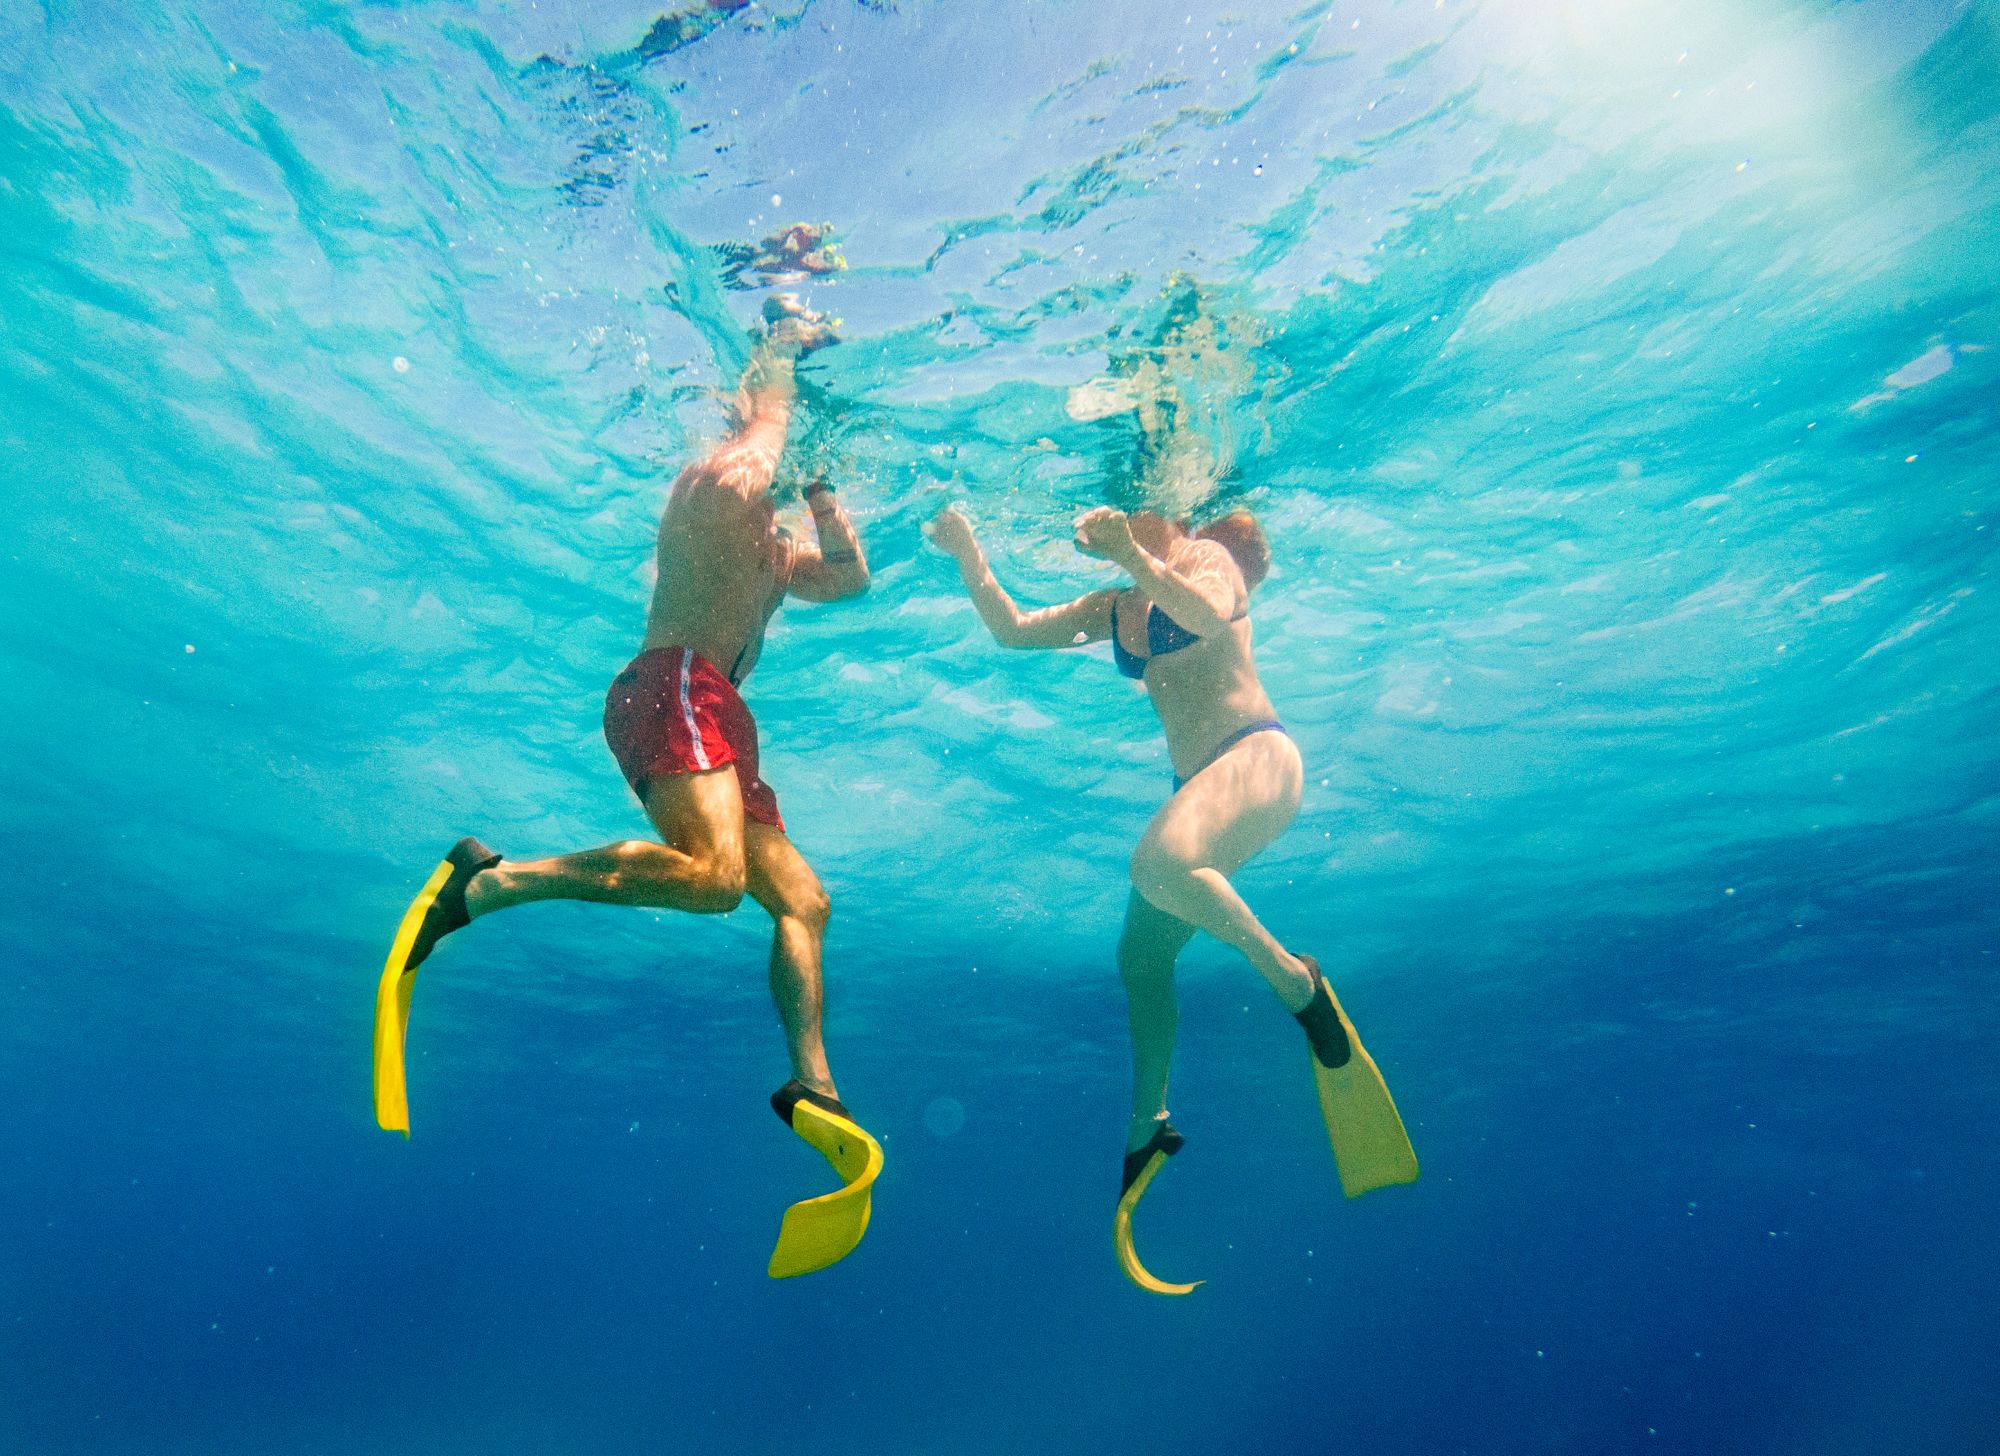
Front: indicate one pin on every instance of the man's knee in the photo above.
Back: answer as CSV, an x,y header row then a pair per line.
x,y
722,881
810,906
712,884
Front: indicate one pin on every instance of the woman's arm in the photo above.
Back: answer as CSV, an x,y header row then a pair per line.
x,y
1087,619
1201,596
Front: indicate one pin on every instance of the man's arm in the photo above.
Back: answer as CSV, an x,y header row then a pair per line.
x,y
1087,619
833,567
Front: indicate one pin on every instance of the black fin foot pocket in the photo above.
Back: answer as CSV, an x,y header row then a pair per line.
x,y
448,913
1330,1045
795,1091
1165,1140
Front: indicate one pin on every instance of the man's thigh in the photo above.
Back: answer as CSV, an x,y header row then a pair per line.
x,y
700,814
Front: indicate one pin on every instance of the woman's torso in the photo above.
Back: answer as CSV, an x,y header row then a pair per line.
x,y
1203,691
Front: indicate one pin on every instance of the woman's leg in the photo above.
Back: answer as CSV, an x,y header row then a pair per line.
x,y
1219,820
1147,949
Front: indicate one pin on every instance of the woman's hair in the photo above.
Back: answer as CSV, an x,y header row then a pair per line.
x,y
1239,534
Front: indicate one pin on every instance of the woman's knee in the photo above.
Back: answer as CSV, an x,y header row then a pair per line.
x,y
1156,870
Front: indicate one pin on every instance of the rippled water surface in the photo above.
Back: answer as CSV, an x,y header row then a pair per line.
x,y
1618,384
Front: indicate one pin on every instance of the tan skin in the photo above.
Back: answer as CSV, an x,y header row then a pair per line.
x,y
1227,811
724,568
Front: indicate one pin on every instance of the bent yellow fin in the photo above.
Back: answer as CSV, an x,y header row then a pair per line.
x,y
392,1009
1121,1233
822,1231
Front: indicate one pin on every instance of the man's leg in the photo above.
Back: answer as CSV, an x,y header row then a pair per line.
x,y
783,883
699,867
1150,943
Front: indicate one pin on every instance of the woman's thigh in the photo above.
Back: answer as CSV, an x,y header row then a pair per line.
x,y
1226,814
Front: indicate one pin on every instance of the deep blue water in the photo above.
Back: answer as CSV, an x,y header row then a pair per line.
x,y
1620,385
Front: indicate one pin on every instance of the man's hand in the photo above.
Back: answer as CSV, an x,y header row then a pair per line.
x,y
951,533
792,330
1107,535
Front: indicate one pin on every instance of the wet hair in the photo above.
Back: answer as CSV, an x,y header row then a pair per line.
x,y
1239,534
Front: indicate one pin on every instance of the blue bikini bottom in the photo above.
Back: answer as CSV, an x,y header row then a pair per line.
x,y
1269,725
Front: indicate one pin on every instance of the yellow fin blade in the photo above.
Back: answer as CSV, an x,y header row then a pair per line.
x,y
392,1009
1121,1234
822,1231
1370,1145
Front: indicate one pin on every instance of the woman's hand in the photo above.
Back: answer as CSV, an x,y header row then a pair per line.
x,y
1107,535
952,533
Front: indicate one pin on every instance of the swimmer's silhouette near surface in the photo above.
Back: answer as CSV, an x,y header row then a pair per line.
x,y
1182,627
688,746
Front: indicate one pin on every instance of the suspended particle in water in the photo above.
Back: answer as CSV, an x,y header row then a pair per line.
x,y
400,364
944,1116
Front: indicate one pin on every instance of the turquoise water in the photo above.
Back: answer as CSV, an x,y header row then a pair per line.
x,y
1619,385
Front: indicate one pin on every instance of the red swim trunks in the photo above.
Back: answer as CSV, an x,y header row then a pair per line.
x,y
672,712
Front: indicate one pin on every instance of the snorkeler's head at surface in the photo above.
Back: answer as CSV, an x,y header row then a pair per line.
x,y
1239,534
1155,533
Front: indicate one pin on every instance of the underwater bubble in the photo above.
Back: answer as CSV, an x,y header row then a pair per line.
x,y
944,1116
400,364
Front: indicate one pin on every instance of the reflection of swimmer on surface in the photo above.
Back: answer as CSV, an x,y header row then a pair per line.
x,y
683,27
1170,401
688,746
799,251
1183,629
787,257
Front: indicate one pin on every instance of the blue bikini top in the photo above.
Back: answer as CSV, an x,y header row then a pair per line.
x,y
1163,635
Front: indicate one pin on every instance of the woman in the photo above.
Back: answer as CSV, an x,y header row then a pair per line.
x,y
1183,628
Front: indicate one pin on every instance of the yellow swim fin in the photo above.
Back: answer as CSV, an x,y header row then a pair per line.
x,y
1140,1169
1369,1143
438,910
822,1231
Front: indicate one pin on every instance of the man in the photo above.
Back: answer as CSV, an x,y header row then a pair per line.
x,y
688,746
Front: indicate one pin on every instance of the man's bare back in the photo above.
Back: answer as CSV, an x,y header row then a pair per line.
x,y
724,565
